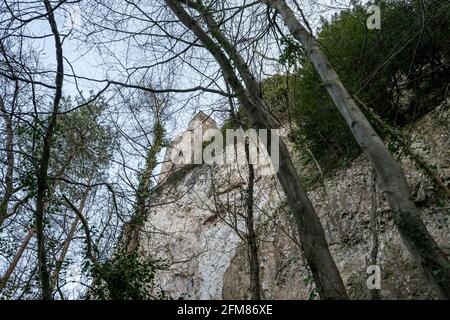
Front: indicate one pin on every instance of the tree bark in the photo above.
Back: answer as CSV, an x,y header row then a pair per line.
x,y
9,186
133,227
373,259
66,244
12,266
42,174
255,283
326,275
414,234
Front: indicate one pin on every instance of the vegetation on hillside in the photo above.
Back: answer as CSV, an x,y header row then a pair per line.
x,y
400,72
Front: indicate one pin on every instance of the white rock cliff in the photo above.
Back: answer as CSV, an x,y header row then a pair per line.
x,y
195,225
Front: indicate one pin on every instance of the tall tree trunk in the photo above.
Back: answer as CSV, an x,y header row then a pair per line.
x,y
9,141
42,174
32,231
373,259
9,186
66,244
132,229
414,234
16,259
326,275
255,283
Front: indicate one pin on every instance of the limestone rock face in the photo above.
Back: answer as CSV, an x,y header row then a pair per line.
x,y
176,156
196,225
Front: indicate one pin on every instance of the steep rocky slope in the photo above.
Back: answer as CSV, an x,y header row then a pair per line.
x,y
196,226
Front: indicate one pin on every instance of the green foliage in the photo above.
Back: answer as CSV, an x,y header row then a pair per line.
x,y
144,177
400,71
240,119
81,138
85,139
292,52
278,92
313,293
125,276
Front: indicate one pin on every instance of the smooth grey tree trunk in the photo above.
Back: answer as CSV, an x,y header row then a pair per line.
x,y
415,236
312,237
